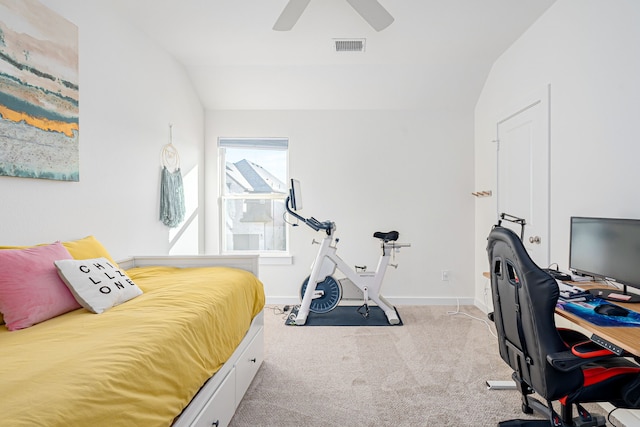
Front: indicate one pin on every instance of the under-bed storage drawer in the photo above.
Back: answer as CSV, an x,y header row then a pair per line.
x,y
220,408
248,364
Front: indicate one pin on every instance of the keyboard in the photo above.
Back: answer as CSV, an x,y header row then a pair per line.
x,y
573,293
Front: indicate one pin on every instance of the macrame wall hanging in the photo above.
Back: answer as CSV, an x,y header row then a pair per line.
x,y
172,207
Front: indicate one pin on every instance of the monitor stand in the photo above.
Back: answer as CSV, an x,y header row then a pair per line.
x,y
615,295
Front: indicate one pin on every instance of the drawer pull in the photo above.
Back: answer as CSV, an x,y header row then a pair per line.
x,y
252,360
216,423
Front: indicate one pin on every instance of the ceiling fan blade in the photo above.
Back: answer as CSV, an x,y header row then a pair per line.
x,y
290,15
372,12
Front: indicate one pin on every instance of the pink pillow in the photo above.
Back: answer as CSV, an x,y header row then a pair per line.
x,y
30,289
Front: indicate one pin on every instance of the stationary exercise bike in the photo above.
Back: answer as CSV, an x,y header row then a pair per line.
x,y
320,292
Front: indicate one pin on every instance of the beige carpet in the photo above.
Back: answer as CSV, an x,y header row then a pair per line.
x,y
429,372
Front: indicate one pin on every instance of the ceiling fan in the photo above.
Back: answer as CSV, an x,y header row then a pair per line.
x,y
372,12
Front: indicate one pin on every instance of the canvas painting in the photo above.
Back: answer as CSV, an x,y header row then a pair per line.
x,y
39,114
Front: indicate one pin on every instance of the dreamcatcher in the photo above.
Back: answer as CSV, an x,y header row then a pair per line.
x,y
172,209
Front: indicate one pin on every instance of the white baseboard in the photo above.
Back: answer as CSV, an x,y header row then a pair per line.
x,y
430,301
481,305
284,300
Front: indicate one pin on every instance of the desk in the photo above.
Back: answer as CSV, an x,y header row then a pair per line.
x,y
625,337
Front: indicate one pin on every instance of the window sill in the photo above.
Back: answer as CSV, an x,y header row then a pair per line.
x,y
265,259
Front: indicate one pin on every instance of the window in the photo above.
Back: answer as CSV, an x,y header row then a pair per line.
x,y
253,177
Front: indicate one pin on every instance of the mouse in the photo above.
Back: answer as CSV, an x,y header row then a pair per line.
x,y
611,310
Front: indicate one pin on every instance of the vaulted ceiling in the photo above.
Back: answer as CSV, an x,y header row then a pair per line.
x,y
436,53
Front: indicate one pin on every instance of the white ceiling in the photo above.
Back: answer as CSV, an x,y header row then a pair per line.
x,y
436,54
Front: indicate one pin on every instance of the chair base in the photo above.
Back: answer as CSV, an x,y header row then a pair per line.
x,y
531,405
524,423
597,421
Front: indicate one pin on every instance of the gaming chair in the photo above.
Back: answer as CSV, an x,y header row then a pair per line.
x,y
558,365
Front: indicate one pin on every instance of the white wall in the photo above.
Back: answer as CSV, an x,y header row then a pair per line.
x,y
130,91
588,51
368,171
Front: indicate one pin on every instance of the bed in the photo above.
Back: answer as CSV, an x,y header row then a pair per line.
x,y
182,353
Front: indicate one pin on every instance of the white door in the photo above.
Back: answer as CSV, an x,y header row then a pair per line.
x,y
523,173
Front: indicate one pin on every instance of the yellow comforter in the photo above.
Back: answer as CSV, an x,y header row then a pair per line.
x,y
137,364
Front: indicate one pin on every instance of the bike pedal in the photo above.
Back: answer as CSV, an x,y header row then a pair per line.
x,y
364,313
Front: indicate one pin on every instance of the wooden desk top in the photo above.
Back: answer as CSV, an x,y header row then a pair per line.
x,y
623,336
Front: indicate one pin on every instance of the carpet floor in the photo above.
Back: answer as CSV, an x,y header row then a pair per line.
x,y
432,371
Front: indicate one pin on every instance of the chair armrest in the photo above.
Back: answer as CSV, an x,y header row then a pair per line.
x,y
566,361
590,350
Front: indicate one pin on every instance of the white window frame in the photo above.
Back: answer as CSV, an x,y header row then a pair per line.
x,y
281,144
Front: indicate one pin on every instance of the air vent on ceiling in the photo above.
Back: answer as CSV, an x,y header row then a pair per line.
x,y
349,45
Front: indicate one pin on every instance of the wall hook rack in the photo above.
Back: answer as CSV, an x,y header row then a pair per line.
x,y
483,193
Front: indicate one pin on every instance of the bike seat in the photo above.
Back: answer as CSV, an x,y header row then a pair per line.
x,y
390,236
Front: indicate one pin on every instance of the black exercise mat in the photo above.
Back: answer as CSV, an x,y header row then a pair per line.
x,y
344,315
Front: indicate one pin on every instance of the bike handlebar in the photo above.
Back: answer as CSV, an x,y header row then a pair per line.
x,y
328,226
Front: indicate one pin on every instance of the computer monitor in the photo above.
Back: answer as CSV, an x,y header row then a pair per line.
x,y
295,194
607,248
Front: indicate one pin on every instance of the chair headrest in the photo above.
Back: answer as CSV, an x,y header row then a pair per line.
x,y
514,250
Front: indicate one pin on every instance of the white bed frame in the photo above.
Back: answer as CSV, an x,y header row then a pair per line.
x,y
216,402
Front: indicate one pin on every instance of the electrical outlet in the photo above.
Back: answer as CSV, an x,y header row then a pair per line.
x,y
445,275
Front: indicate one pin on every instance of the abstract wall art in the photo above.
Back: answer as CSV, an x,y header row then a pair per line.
x,y
39,109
